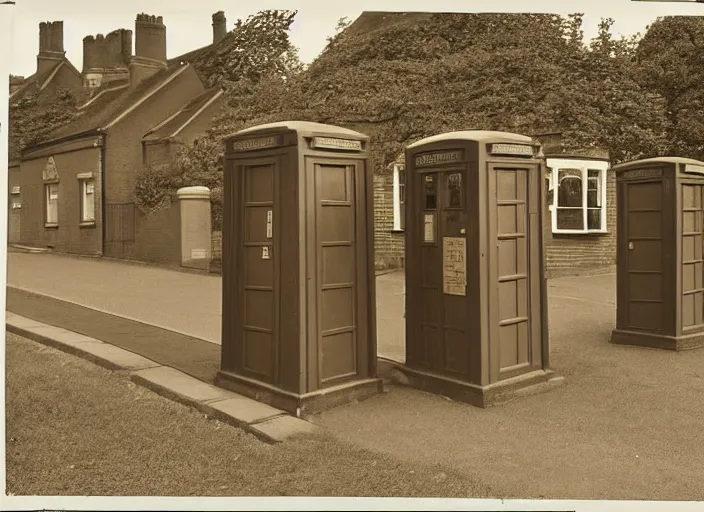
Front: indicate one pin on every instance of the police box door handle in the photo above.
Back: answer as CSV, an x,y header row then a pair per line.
x,y
630,245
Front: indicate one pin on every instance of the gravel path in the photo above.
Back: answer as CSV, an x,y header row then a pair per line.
x,y
74,428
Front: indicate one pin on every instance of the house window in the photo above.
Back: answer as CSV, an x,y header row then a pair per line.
x,y
578,195
87,201
399,198
52,205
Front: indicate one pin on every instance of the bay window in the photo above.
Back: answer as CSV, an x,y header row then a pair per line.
x,y
578,198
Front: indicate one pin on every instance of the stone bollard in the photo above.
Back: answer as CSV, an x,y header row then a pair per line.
x,y
196,227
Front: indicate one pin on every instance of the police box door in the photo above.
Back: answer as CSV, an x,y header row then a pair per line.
x,y
439,287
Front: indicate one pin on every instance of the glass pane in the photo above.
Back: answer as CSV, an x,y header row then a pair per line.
x,y
593,199
594,218
570,189
593,173
454,222
454,188
431,191
88,202
570,218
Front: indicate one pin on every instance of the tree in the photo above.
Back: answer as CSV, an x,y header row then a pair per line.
x,y
670,59
254,48
398,77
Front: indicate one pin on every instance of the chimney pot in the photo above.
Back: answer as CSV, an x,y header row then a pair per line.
x,y
219,26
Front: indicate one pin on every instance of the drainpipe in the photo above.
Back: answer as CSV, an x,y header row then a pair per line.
x,y
103,208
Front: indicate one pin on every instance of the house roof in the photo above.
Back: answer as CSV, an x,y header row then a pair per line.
x,y
190,56
40,81
174,124
35,80
110,104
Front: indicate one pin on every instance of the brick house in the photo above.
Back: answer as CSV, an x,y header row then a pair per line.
x,y
78,184
54,72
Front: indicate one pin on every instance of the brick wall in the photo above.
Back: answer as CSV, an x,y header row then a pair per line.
x,y
68,236
216,249
157,237
65,78
124,158
123,144
13,214
388,245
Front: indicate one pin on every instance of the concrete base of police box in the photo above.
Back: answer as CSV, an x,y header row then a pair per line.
x,y
300,405
531,383
660,341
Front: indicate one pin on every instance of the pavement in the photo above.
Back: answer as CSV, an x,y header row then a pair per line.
x,y
186,303
627,423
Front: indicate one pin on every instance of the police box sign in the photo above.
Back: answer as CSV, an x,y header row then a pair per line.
x,y
335,143
255,144
511,149
440,158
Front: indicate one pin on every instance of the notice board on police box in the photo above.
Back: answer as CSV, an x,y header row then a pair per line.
x,y
454,265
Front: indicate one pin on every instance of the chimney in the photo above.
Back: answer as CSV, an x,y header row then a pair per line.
x,y
219,26
106,58
51,45
150,47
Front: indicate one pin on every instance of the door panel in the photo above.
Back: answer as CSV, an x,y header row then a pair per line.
x,y
692,258
336,245
643,249
512,263
258,293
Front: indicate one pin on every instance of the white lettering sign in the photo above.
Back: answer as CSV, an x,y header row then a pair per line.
x,y
511,149
252,144
331,143
429,229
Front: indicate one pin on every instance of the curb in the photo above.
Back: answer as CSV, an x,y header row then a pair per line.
x,y
263,421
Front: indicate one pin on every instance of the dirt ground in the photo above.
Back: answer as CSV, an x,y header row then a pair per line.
x,y
74,428
627,424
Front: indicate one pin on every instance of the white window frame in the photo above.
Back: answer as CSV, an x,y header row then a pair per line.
x,y
555,165
398,204
48,221
84,182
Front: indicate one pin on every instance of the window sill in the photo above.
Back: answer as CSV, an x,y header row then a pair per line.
x,y
87,224
568,233
398,230
51,225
